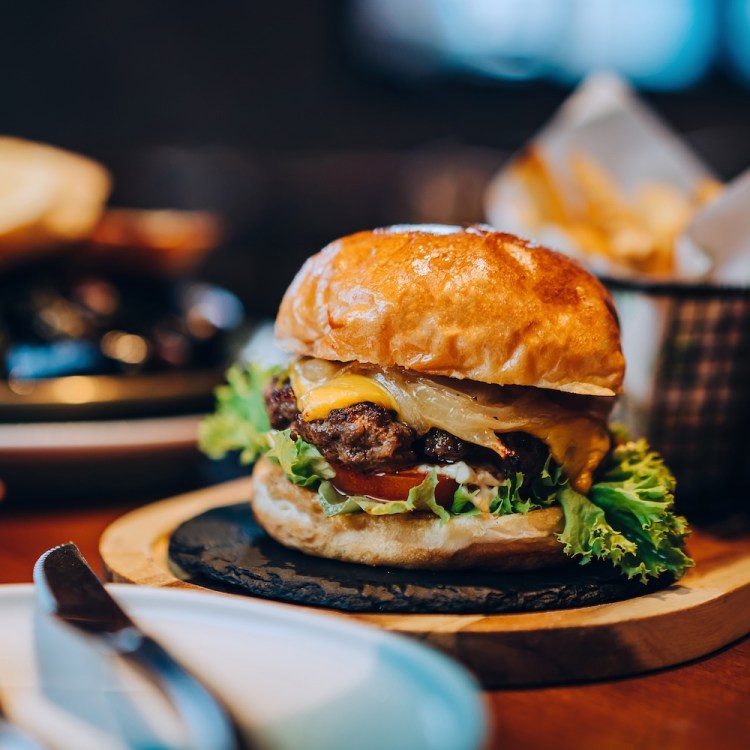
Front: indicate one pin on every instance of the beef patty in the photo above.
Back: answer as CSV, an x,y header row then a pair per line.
x,y
363,436
368,437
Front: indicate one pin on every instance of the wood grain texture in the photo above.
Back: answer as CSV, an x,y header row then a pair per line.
x,y
708,609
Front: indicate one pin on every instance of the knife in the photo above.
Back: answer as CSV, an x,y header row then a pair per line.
x,y
69,589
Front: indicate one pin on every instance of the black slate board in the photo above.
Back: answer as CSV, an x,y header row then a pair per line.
x,y
225,549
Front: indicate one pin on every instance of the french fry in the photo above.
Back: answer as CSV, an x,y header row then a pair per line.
x,y
637,232
604,207
546,204
665,212
547,199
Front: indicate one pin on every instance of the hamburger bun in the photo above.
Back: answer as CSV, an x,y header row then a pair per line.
x,y
292,516
467,303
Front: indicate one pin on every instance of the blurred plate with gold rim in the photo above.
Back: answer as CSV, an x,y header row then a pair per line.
x,y
108,396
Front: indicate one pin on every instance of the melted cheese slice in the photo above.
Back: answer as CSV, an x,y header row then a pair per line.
x,y
340,392
577,437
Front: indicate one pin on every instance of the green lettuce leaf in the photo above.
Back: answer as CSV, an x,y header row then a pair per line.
x,y
627,517
334,503
545,487
421,497
302,463
587,532
508,498
240,421
463,501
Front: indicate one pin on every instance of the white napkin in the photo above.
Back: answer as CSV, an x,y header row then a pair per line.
x,y
719,236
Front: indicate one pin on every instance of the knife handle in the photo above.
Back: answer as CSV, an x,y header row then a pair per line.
x,y
209,723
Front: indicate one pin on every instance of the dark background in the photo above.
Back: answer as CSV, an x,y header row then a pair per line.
x,y
268,113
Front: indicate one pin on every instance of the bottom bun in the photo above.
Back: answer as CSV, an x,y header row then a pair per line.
x,y
293,517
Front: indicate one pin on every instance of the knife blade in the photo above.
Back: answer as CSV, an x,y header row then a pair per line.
x,y
68,589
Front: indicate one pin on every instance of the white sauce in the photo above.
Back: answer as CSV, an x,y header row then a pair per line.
x,y
462,473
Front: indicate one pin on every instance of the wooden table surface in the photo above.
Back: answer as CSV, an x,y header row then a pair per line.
x,y
705,704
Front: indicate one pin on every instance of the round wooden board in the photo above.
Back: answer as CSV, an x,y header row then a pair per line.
x,y
708,609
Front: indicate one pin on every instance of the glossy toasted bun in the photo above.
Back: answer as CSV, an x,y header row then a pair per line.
x,y
465,303
294,518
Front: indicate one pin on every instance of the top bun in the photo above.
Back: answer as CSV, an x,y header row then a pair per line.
x,y
461,302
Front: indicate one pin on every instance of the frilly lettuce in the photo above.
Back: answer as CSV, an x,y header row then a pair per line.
x,y
240,421
302,463
421,497
626,517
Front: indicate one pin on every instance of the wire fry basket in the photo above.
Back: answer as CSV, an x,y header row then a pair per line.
x,y
689,393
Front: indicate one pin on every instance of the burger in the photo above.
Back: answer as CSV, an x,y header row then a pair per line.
x,y
446,406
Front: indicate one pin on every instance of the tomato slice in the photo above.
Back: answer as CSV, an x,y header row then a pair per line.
x,y
389,485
